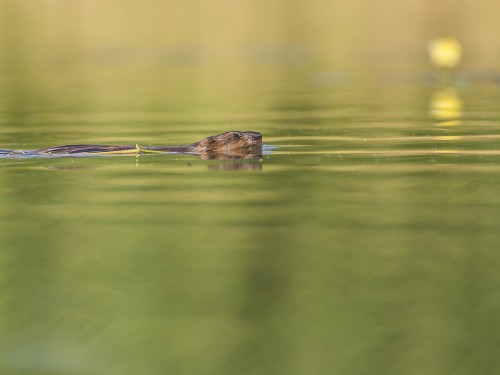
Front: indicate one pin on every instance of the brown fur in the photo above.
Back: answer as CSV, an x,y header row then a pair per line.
x,y
232,144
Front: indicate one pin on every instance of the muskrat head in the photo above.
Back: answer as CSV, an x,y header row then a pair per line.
x,y
232,140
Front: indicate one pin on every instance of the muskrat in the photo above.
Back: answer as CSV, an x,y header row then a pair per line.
x,y
232,144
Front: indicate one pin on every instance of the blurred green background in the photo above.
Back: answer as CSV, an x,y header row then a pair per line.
x,y
191,55
60,34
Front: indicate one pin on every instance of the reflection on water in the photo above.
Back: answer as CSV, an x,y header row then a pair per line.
x,y
366,232
364,242
446,107
360,235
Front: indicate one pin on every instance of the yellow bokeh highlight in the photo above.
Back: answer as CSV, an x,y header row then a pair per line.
x,y
445,52
446,106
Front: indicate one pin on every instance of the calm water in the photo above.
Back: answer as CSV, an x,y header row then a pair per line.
x,y
367,242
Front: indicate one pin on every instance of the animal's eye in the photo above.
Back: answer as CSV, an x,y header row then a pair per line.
x,y
236,136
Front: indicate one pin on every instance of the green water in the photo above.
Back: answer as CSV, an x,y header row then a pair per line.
x,y
367,242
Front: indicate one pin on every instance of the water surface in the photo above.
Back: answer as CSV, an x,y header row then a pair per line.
x,y
366,242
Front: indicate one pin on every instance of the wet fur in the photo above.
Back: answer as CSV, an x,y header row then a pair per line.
x,y
239,144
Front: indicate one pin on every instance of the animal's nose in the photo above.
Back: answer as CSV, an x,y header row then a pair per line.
x,y
257,136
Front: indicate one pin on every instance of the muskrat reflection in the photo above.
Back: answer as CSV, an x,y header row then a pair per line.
x,y
231,164
237,159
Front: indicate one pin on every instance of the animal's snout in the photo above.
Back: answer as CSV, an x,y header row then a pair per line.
x,y
257,136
